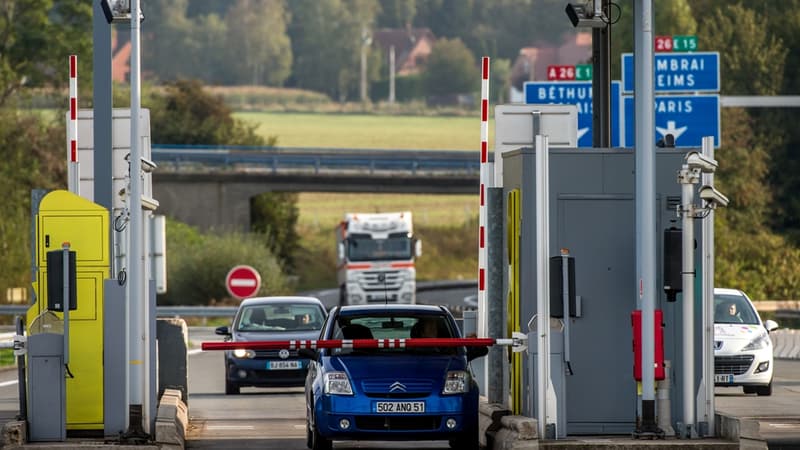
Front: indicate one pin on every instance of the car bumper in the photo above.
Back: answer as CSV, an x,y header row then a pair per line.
x,y
365,423
254,372
741,369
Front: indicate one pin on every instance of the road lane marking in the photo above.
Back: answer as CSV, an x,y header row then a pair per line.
x,y
230,427
8,383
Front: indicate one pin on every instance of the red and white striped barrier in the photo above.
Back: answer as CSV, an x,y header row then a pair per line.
x,y
484,181
73,178
518,343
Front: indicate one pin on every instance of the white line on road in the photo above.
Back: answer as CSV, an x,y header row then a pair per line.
x,y
8,383
230,427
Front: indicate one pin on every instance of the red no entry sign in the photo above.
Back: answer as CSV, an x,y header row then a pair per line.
x,y
243,281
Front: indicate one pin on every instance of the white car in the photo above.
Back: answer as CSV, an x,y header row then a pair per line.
x,y
742,346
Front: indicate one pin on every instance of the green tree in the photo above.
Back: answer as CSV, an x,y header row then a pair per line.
x,y
33,158
36,39
187,114
672,17
451,69
257,28
326,40
396,13
274,215
198,263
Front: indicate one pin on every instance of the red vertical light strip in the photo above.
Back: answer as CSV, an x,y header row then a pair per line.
x,y
481,283
73,108
482,194
482,241
73,66
73,150
485,71
484,152
484,110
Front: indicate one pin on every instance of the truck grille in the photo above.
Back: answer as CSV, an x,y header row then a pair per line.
x,y
732,365
370,281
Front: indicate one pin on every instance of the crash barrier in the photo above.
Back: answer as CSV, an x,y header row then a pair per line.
x,y
518,343
786,344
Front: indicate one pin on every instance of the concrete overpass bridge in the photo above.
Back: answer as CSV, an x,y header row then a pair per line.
x,y
211,186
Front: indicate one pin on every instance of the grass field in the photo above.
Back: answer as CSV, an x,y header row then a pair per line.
x,y
369,131
447,224
325,210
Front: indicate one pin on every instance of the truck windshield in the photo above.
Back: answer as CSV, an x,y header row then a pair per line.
x,y
364,248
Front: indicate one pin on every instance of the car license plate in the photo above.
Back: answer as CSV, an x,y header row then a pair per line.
x,y
400,407
283,365
723,379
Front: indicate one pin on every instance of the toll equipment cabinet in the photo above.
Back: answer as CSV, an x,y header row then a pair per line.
x,y
66,217
593,215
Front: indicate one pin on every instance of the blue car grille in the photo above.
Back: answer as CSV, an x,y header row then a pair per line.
x,y
409,389
732,365
398,423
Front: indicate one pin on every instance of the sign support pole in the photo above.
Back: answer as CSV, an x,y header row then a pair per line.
x,y
645,205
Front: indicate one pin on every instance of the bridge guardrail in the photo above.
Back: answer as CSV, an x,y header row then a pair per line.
x,y
275,159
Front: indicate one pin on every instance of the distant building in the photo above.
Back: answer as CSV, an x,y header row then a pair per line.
x,y
411,47
531,63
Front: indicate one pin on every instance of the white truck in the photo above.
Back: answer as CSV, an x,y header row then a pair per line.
x,y
375,258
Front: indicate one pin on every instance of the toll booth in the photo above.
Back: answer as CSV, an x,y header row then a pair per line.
x,y
66,217
592,214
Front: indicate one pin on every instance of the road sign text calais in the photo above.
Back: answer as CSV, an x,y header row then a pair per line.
x,y
243,281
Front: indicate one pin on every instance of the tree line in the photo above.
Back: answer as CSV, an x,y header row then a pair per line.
x,y
316,45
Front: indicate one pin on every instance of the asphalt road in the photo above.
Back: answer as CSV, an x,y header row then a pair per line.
x,y
275,418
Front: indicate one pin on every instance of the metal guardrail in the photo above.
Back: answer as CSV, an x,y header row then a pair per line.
x,y
162,311
318,159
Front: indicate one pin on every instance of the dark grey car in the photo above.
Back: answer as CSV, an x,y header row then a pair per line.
x,y
270,319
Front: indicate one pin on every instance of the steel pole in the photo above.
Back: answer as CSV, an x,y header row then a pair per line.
x,y
495,304
645,201
708,300
136,300
687,222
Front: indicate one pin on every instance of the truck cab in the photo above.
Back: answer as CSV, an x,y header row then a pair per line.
x,y
376,255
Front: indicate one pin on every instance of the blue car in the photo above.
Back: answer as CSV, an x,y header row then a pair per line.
x,y
391,393
270,319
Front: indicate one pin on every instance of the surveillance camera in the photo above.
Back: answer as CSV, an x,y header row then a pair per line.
x,y
697,160
148,166
713,197
582,16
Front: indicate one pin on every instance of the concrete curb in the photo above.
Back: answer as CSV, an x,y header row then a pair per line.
x,y
499,430
172,419
743,430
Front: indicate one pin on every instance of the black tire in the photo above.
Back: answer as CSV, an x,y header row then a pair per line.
x,y
314,440
318,442
764,391
467,440
230,387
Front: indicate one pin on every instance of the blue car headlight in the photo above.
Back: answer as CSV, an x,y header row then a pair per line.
x,y
758,343
337,383
457,382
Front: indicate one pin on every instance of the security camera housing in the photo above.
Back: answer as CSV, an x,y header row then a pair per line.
x,y
697,160
148,166
713,197
582,16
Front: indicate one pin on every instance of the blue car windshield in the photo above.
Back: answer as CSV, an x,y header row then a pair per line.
x,y
280,317
393,327
733,309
